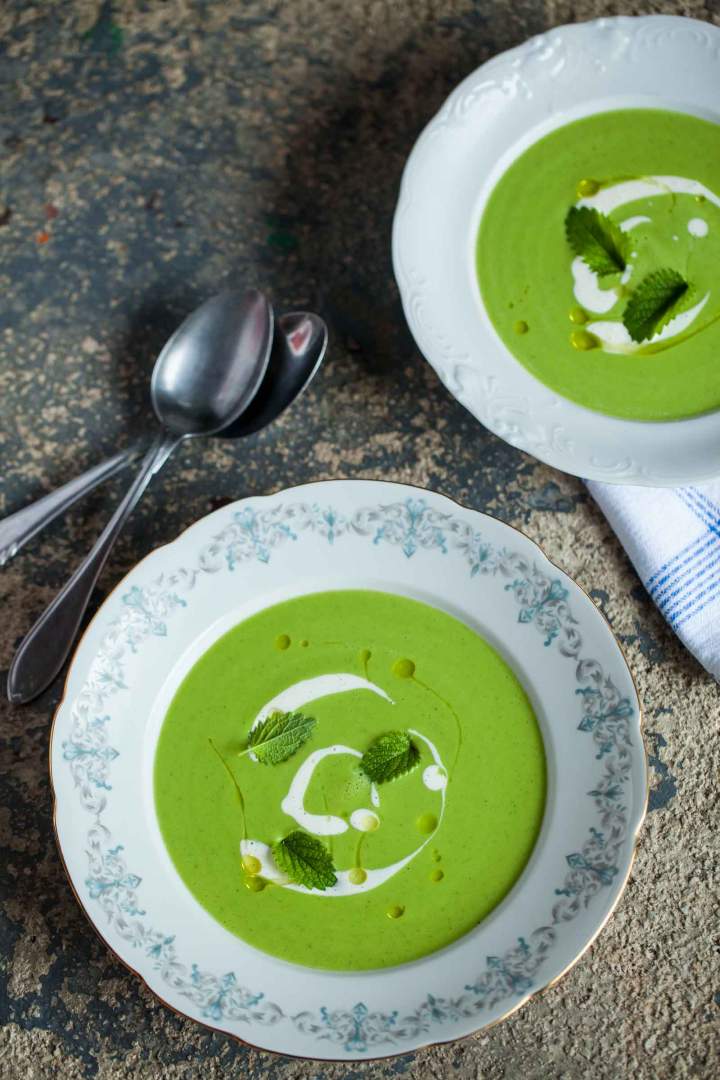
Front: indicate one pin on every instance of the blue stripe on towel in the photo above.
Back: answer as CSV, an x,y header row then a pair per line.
x,y
711,507
694,607
689,565
690,584
697,550
690,588
652,583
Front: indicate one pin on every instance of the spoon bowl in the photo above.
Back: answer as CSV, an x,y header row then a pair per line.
x,y
298,349
210,369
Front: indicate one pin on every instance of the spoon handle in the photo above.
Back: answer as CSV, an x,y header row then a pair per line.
x,y
45,647
18,528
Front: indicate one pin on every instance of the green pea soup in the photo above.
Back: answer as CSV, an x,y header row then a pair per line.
x,y
656,175
419,860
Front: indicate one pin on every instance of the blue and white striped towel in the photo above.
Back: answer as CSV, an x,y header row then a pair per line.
x,y
672,536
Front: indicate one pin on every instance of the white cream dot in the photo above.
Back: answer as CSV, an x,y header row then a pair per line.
x,y
697,227
434,778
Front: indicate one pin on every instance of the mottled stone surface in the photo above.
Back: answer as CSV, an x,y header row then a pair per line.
x,y
152,152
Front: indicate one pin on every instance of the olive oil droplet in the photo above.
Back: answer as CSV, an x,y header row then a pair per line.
x,y
357,875
582,340
426,823
521,327
587,187
404,669
282,642
437,875
255,884
395,912
251,865
578,316
304,643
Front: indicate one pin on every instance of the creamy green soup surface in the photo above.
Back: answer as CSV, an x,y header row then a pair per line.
x,y
656,175
419,860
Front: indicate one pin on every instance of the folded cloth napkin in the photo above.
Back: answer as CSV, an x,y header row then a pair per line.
x,y
672,536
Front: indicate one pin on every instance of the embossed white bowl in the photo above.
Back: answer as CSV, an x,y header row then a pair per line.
x,y
492,117
348,534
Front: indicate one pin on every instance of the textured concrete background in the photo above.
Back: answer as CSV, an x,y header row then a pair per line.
x,y
153,152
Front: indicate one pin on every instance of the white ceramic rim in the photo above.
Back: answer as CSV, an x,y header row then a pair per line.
x,y
327,535
499,110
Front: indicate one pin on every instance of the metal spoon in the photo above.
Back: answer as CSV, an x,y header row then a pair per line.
x,y
205,376
298,348
16,529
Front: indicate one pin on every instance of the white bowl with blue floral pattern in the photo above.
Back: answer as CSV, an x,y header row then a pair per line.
x,y
346,534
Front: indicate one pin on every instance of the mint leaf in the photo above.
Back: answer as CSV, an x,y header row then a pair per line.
x,y
596,239
389,756
277,737
654,303
305,860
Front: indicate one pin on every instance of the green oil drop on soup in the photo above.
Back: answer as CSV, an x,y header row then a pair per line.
x,y
656,176
420,859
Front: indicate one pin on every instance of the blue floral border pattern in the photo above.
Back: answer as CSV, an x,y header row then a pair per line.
x,y
412,526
